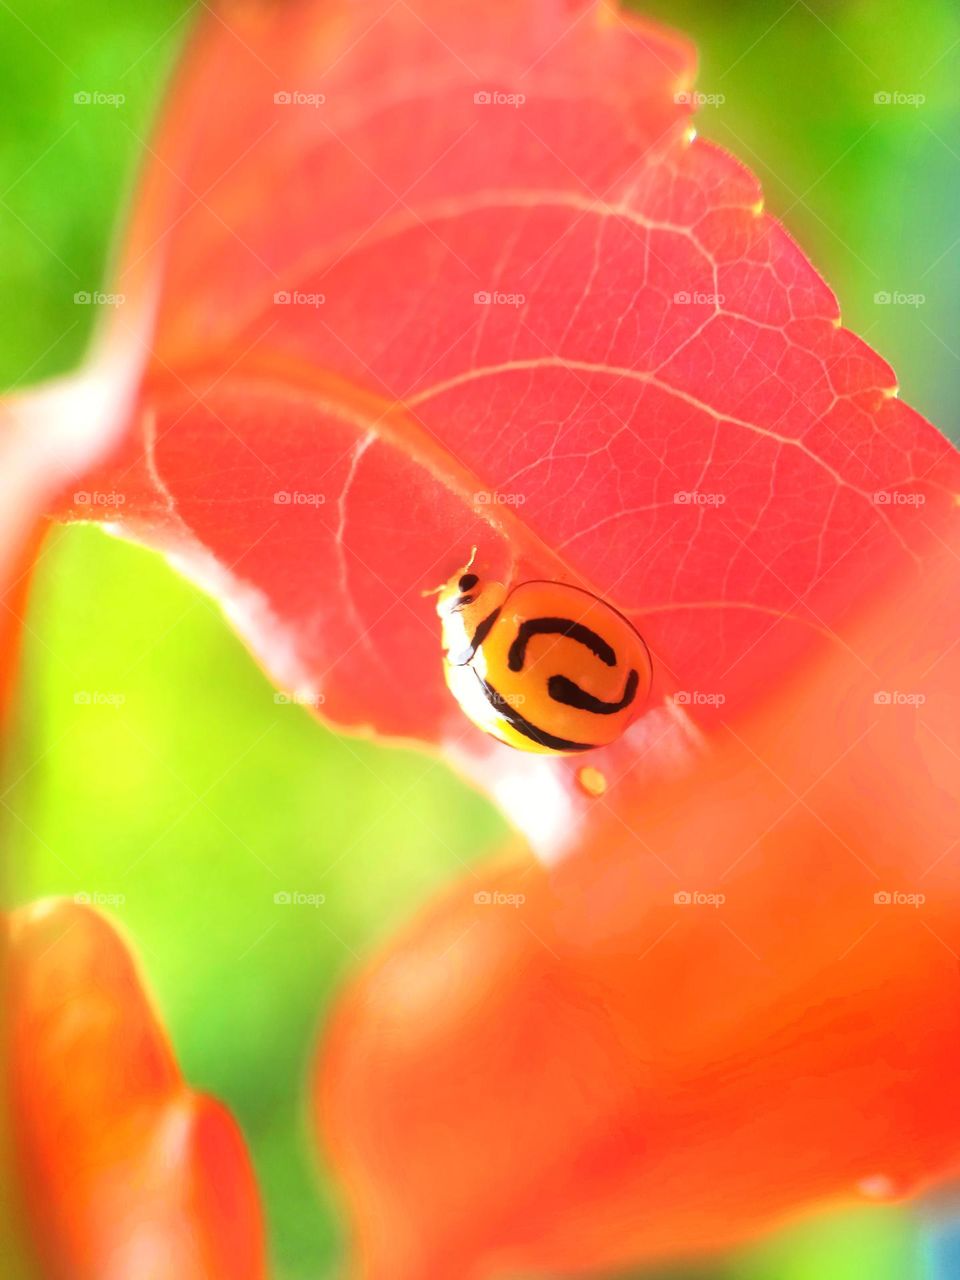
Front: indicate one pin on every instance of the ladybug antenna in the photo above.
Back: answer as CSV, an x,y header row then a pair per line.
x,y
435,591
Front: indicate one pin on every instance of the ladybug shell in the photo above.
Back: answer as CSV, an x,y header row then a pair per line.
x,y
556,670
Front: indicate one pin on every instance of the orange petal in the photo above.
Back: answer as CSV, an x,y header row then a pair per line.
x,y
126,1171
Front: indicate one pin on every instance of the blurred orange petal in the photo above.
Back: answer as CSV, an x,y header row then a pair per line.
x,y
126,1172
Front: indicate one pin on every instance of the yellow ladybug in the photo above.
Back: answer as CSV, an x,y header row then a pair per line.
x,y
543,666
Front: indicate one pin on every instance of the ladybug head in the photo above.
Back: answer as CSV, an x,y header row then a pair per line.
x,y
464,601
462,591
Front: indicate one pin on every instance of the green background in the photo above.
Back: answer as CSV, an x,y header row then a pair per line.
x,y
200,797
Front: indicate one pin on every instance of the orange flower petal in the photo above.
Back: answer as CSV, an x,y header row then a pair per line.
x,y
126,1171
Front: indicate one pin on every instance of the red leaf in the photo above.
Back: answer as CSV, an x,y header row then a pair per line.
x,y
125,1170
673,341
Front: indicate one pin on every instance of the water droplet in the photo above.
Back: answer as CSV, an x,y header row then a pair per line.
x,y
592,780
